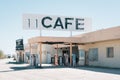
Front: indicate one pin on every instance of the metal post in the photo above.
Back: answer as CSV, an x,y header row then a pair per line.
x,y
70,33
40,32
70,54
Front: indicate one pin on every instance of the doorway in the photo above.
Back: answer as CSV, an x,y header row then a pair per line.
x,y
86,58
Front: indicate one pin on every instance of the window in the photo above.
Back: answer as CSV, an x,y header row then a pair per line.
x,y
93,54
110,52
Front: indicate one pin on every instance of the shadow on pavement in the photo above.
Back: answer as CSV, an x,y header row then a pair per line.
x,y
17,69
20,68
87,68
100,69
14,63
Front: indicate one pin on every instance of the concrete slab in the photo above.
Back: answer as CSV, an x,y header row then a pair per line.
x,y
14,71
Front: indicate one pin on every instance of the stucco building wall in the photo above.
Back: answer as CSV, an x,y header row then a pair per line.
x,y
103,60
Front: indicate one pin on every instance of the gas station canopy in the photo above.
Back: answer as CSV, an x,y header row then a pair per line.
x,y
55,40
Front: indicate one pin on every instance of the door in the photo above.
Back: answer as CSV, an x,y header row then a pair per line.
x,y
81,57
48,58
86,58
65,58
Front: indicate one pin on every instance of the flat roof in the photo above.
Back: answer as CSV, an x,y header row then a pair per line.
x,y
108,34
95,36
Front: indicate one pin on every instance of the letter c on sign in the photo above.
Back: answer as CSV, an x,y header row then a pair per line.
x,y
43,22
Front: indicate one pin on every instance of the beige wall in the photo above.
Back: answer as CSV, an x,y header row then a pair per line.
x,y
102,53
45,49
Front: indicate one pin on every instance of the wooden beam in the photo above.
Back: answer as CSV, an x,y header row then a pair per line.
x,y
40,54
30,48
30,53
70,54
57,48
56,61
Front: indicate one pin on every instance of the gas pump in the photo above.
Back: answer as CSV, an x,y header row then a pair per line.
x,y
60,60
31,60
74,60
37,60
52,60
56,59
65,59
34,60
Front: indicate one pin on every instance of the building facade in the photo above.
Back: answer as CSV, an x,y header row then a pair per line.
x,y
98,48
102,48
103,54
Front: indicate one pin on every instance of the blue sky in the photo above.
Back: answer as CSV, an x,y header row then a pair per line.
x,y
104,14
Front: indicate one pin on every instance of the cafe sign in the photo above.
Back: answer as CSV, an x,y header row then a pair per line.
x,y
60,23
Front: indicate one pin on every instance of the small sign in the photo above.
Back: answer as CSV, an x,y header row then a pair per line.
x,y
19,44
60,23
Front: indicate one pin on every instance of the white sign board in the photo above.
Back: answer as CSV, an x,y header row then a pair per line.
x,y
46,22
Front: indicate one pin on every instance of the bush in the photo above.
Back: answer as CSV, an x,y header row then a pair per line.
x,y
2,54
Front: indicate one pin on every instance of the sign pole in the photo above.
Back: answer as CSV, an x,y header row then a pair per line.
x,y
40,32
70,33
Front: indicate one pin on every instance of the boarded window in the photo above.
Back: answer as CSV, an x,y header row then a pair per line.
x,y
93,54
81,54
110,52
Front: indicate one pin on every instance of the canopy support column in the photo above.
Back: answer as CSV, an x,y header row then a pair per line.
x,y
56,56
70,54
57,49
40,54
30,45
30,49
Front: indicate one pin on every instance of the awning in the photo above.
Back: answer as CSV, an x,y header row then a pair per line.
x,y
55,40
